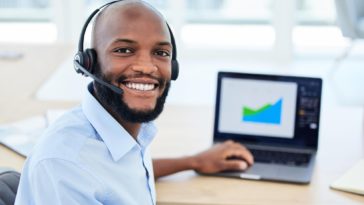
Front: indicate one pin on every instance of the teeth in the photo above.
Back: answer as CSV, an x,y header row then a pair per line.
x,y
140,86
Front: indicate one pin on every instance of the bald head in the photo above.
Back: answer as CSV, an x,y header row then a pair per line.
x,y
124,12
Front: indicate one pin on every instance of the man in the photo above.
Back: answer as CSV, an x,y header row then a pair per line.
x,y
98,153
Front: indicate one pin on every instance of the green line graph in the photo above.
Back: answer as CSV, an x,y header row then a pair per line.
x,y
267,113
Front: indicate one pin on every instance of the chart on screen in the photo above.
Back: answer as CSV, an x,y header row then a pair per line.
x,y
258,107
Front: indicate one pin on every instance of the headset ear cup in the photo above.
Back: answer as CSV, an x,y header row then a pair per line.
x,y
175,70
79,59
91,58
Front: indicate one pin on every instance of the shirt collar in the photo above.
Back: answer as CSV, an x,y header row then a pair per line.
x,y
116,138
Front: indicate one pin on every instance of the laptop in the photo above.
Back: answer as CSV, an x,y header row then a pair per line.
x,y
276,117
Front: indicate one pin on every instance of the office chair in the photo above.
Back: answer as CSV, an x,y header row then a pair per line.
x,y
9,181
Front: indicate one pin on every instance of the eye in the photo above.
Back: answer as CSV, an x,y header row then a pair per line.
x,y
123,50
162,53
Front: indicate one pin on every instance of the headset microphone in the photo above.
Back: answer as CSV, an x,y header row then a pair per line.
x,y
117,90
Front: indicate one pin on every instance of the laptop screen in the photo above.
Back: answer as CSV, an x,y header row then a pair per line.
x,y
268,109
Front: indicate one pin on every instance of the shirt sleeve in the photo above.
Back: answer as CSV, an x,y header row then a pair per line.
x,y
59,182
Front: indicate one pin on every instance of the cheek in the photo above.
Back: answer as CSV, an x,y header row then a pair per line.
x,y
166,71
105,64
112,68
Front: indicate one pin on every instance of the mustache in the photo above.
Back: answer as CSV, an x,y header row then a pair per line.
x,y
122,78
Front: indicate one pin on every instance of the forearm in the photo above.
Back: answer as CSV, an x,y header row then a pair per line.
x,y
215,159
163,167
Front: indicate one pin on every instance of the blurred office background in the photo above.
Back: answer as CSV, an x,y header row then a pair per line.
x,y
297,37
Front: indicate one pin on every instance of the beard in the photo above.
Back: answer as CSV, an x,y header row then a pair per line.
x,y
116,104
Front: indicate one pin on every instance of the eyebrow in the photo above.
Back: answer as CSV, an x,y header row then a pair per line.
x,y
164,43
125,40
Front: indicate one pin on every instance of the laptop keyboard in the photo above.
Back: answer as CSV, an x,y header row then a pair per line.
x,y
278,157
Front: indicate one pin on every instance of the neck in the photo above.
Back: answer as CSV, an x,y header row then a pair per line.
x,y
132,128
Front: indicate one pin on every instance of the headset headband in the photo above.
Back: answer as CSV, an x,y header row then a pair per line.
x,y
88,20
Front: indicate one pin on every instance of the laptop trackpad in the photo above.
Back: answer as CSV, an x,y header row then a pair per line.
x,y
278,172
262,170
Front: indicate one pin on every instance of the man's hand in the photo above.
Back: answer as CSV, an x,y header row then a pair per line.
x,y
226,156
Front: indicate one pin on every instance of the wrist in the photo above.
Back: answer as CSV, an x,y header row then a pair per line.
x,y
192,162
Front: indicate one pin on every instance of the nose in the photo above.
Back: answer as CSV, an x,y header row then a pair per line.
x,y
145,65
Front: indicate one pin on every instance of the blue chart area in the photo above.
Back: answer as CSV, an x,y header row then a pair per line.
x,y
269,114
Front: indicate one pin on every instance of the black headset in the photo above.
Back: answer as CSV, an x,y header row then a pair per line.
x,y
85,60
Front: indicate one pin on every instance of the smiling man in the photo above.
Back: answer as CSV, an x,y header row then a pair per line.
x,y
98,153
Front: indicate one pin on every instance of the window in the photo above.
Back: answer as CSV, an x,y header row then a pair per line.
x,y
26,21
229,11
25,10
313,12
234,24
273,27
316,30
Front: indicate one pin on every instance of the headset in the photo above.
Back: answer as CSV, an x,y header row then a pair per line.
x,y
86,60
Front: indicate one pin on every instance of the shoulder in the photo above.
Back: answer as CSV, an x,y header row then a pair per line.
x,y
65,138
50,178
55,166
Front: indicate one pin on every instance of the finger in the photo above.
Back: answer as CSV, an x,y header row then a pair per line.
x,y
237,149
241,152
228,142
234,165
248,155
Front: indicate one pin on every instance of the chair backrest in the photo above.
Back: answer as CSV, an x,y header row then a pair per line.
x,y
9,181
350,17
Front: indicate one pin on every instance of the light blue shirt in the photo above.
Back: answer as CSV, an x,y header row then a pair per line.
x,y
86,157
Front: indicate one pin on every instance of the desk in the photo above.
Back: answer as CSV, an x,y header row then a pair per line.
x,y
186,130
340,147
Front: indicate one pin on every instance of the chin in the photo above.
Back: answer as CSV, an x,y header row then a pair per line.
x,y
142,109
132,109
